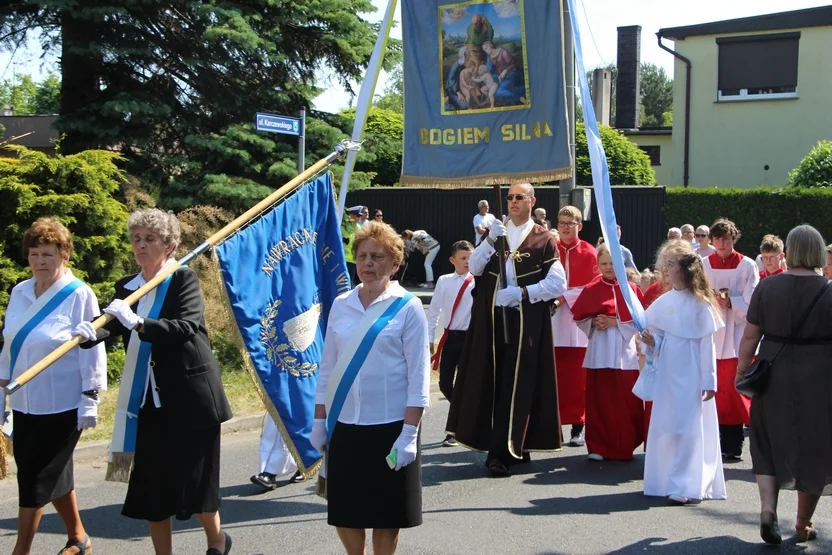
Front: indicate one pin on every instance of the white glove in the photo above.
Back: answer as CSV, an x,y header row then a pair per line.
x,y
87,413
405,446
318,436
496,229
123,312
85,330
510,296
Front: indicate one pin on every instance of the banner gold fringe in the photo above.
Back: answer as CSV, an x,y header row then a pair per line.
x,y
4,463
119,470
451,183
307,473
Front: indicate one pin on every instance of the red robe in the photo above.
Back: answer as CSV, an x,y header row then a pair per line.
x,y
615,417
656,290
765,273
580,263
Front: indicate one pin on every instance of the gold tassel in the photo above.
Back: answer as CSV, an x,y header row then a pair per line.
x,y
451,183
119,470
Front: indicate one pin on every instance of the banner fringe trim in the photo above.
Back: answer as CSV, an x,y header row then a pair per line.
x,y
120,468
451,183
248,365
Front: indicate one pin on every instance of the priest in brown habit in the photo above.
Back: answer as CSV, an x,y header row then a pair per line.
x,y
505,398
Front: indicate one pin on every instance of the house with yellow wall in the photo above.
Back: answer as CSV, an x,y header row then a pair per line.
x,y
751,97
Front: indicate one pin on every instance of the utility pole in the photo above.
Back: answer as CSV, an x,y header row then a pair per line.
x,y
302,142
568,185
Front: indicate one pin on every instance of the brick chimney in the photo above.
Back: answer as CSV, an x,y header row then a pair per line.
x,y
628,84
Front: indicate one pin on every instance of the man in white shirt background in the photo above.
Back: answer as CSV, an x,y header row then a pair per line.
x,y
452,303
482,221
540,215
688,234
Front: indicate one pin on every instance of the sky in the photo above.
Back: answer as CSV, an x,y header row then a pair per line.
x,y
598,20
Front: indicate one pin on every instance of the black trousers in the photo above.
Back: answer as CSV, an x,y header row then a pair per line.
x,y
504,382
731,439
451,352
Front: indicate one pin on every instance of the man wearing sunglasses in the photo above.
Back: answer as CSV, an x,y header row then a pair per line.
x,y
580,261
505,394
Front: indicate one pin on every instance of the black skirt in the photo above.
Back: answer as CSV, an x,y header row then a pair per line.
x,y
362,491
43,447
173,474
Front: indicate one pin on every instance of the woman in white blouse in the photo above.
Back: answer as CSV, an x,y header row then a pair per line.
x,y
383,407
50,412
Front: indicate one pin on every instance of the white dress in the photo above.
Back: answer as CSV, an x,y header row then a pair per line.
x,y
683,454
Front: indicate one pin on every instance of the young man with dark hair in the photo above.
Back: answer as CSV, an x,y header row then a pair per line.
x,y
452,303
733,278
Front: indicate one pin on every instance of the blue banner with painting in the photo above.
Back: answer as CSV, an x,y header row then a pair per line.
x,y
485,101
282,274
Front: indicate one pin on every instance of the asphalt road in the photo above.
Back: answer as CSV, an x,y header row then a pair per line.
x,y
557,504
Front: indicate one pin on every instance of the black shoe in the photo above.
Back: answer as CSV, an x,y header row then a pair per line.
x,y
732,457
265,480
213,551
497,469
769,529
450,441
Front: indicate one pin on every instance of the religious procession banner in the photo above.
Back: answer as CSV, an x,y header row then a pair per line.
x,y
282,274
485,101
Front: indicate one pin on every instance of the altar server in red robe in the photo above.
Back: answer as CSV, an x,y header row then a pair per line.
x,y
581,265
773,256
614,416
733,278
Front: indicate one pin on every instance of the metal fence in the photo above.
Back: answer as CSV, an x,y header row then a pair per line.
x,y
448,215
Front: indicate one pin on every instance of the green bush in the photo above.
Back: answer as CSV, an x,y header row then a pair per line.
x,y
815,170
629,165
756,212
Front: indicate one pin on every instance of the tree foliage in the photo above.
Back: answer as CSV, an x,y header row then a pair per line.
x,y
656,107
80,191
393,97
628,164
383,135
815,170
175,85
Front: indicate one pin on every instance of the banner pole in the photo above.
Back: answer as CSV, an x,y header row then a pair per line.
x,y
214,240
500,244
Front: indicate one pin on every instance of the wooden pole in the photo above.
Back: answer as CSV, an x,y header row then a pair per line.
x,y
500,244
215,239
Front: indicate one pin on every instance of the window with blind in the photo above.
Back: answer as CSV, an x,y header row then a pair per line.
x,y
760,67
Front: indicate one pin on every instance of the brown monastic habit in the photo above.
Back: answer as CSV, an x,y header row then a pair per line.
x,y
534,423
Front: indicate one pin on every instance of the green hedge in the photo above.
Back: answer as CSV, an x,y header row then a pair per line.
x,y
755,211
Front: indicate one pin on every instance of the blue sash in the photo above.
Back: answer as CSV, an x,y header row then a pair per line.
x,y
358,359
34,321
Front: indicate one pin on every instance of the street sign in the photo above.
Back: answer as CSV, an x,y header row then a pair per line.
x,y
274,123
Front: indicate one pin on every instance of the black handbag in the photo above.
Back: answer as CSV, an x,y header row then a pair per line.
x,y
755,379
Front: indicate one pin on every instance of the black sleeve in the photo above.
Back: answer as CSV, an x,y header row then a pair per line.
x,y
189,306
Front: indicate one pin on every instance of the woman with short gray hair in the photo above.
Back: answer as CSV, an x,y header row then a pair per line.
x,y
167,429
791,420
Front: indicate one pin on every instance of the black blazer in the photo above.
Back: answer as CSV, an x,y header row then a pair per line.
x,y
187,374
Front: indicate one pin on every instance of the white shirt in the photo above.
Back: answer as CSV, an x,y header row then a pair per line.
x,y
150,379
60,386
396,373
706,252
550,287
442,304
481,221
741,283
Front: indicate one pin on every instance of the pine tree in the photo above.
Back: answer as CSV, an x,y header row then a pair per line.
x,y
175,85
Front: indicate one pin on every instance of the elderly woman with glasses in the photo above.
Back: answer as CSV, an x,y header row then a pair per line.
x,y
50,412
172,400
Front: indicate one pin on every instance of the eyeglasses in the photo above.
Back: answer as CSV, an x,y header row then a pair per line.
x,y
700,235
519,197
771,258
567,224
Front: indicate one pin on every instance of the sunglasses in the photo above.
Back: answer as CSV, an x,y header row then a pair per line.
x,y
519,197
378,216
700,235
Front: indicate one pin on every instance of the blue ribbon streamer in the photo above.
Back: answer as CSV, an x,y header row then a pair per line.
x,y
358,360
601,181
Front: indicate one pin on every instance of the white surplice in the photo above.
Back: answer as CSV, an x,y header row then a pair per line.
x,y
741,283
683,454
613,348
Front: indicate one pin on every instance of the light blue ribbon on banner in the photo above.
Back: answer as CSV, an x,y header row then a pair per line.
x,y
601,181
140,376
26,329
357,361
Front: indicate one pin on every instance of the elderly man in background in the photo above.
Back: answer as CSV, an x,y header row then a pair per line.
x,y
688,234
540,214
482,221
674,233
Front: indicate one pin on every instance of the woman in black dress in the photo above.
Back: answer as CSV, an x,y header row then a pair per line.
x,y
177,455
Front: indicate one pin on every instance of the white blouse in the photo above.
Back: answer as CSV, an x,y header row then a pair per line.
x,y
60,386
396,373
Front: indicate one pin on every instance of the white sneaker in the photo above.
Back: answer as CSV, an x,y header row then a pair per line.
x,y
595,457
577,440
678,499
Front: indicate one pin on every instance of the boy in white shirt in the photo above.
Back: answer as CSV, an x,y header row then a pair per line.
x,y
452,302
